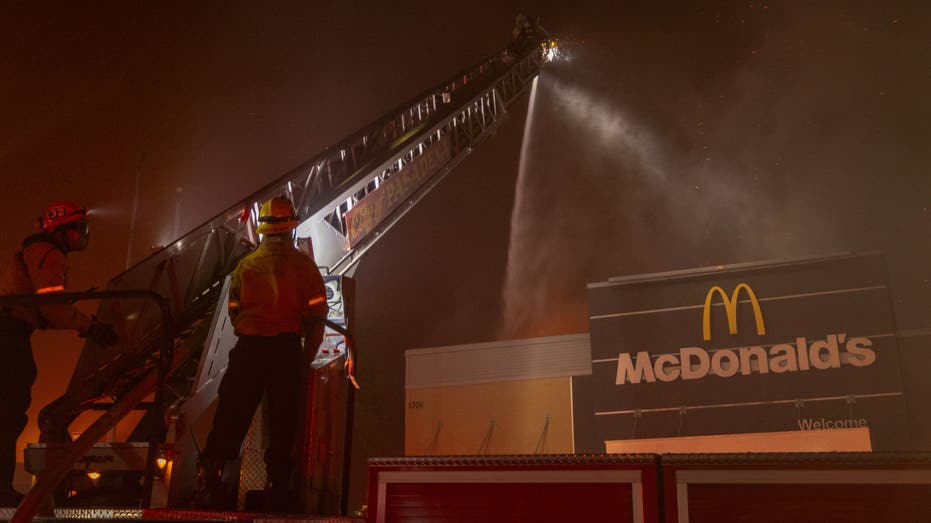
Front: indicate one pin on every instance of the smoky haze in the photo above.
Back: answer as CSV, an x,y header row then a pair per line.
x,y
679,134
803,132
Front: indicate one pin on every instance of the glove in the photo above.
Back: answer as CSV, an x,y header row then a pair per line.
x,y
102,334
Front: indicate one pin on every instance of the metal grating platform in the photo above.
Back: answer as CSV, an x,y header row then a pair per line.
x,y
153,515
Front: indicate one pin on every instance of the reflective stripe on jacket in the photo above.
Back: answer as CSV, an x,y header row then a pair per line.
x,y
276,289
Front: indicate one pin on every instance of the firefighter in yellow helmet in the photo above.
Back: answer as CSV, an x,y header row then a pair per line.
x,y
40,267
276,296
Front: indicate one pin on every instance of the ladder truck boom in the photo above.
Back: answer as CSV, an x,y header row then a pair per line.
x,y
347,196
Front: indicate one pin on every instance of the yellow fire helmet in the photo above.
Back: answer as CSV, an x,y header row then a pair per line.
x,y
277,216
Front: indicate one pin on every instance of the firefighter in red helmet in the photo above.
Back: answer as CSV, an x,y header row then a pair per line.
x,y
39,267
276,297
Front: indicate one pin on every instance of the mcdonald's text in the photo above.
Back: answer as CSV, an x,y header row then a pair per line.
x,y
692,363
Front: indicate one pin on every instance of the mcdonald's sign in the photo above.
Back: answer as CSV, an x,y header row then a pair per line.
x,y
690,363
757,347
730,307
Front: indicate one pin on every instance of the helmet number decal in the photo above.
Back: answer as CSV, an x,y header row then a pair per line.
x,y
56,212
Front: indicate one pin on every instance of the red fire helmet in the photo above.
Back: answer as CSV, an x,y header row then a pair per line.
x,y
61,213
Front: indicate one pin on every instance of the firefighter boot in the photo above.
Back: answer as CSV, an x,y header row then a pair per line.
x,y
277,498
211,493
10,497
278,488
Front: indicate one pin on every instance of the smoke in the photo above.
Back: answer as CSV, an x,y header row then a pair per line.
x,y
571,208
788,143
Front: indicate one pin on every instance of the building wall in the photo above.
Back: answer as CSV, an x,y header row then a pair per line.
x,y
915,346
453,394
490,418
506,397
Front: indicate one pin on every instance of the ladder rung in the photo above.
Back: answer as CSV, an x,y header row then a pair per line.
x,y
145,405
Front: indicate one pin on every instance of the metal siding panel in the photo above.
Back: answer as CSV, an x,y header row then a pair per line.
x,y
496,502
780,503
557,356
802,277
582,419
883,415
915,350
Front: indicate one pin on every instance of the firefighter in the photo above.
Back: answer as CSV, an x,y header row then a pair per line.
x,y
522,28
40,267
525,35
276,296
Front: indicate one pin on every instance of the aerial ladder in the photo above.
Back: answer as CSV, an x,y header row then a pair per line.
x,y
169,309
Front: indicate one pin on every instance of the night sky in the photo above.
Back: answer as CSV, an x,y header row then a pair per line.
x,y
677,135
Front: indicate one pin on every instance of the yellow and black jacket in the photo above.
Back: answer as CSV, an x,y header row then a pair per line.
x,y
277,289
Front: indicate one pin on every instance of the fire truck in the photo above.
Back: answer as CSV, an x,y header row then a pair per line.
x,y
175,335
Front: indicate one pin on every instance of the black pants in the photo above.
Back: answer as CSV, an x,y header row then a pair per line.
x,y
17,374
258,366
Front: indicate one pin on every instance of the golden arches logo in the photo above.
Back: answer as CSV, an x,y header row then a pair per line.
x,y
730,307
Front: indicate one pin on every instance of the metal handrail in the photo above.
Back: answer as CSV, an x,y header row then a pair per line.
x,y
54,473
